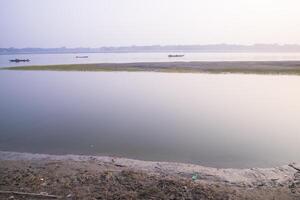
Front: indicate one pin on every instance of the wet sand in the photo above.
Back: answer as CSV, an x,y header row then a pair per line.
x,y
40,176
253,67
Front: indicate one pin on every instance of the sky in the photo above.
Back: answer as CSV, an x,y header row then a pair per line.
x,y
97,23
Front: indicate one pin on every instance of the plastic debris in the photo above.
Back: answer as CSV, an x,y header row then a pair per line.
x,y
195,177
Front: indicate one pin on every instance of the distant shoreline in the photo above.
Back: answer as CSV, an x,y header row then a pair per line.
x,y
244,67
205,48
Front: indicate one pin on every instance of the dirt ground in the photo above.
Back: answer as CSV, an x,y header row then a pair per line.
x,y
93,179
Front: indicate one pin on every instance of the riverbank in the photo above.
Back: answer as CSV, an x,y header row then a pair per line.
x,y
40,176
249,67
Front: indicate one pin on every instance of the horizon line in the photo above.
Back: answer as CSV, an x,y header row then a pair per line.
x,y
156,45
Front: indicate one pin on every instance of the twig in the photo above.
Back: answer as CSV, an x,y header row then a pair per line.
x,y
296,168
30,194
118,165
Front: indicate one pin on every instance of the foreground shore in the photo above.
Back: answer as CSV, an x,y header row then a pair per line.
x,y
253,67
40,176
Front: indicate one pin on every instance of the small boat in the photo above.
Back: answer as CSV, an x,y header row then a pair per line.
x,y
81,56
19,60
175,55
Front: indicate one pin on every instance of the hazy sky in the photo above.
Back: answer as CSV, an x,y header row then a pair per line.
x,y
95,23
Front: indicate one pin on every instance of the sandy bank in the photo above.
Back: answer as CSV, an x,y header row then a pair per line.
x,y
255,67
16,168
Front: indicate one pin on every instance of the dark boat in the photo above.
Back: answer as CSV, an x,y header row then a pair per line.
x,y
81,56
19,60
175,56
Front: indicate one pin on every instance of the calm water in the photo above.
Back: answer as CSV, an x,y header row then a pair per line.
x,y
212,120
46,59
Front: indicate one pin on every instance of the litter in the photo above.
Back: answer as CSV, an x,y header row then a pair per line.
x,y
195,177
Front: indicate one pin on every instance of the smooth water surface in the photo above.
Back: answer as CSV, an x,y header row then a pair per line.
x,y
212,120
54,59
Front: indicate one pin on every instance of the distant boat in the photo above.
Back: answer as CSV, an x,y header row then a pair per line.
x,y
81,56
175,55
19,60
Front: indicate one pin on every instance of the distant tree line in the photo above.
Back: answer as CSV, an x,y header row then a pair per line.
x,y
159,48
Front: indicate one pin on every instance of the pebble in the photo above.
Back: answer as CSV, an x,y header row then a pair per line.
x,y
69,195
44,184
